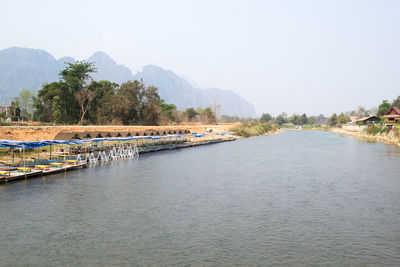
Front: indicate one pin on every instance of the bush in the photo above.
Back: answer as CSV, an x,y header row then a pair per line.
x,y
253,129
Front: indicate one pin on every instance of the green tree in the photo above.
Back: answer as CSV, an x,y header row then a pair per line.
x,y
342,119
190,113
301,120
167,112
281,118
151,106
208,115
101,107
76,76
312,120
321,119
383,108
25,102
266,117
333,120
56,103
128,102
396,102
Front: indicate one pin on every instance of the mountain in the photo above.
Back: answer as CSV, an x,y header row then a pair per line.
x,y
177,90
108,69
31,68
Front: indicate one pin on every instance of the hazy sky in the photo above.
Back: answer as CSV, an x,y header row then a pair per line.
x,y
294,56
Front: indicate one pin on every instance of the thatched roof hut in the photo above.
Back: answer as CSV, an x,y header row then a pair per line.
x,y
67,136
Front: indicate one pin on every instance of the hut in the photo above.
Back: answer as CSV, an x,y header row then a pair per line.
x,y
392,116
67,136
371,119
86,135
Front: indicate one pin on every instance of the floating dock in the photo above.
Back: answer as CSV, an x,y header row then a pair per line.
x,y
15,174
83,156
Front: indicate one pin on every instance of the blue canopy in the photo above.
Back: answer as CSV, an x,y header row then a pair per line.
x,y
34,144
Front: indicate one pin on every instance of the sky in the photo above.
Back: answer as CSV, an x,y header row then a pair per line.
x,y
295,56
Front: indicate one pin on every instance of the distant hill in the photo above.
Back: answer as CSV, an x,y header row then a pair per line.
x,y
177,90
31,68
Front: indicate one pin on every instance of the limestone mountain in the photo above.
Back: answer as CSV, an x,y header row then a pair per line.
x,y
108,69
31,68
177,90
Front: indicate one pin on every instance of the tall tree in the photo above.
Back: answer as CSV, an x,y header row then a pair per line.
x,y
383,108
76,76
333,120
101,107
25,103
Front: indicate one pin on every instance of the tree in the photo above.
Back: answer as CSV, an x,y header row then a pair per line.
x,y
383,108
332,120
136,104
128,102
207,115
151,106
301,120
321,119
281,118
101,108
396,102
342,119
360,112
167,112
76,76
56,103
25,103
266,117
312,120
190,113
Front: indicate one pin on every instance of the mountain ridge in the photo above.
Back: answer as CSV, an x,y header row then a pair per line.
x,y
31,68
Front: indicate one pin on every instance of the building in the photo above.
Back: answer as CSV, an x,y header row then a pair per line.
x,y
371,119
10,111
392,116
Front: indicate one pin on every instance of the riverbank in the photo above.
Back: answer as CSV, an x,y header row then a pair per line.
x,y
360,133
37,133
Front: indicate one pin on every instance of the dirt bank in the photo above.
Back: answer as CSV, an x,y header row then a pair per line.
x,y
390,138
37,133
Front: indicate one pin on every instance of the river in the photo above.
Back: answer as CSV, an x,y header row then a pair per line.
x,y
297,198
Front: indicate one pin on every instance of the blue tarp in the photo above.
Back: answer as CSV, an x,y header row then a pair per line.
x,y
34,144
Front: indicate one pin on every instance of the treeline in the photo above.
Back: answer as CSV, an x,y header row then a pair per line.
x,y
76,98
361,112
295,119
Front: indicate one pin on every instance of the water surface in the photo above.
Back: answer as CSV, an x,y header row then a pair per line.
x,y
294,198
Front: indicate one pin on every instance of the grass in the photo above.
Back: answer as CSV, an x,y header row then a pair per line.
x,y
254,129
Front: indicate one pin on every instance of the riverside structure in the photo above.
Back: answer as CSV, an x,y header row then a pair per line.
x,y
66,155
